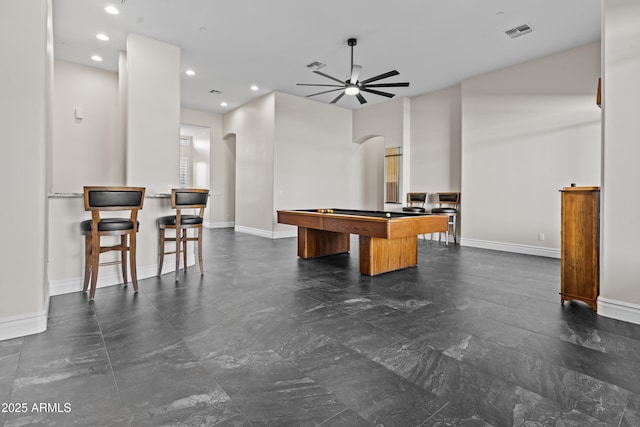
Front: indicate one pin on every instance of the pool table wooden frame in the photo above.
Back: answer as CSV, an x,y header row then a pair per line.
x,y
386,244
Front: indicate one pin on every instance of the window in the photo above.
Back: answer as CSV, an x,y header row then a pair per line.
x,y
184,173
392,169
185,162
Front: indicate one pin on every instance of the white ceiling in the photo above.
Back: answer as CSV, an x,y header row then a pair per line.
x,y
233,44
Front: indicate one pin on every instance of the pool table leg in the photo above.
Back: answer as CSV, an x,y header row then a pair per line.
x,y
379,255
313,243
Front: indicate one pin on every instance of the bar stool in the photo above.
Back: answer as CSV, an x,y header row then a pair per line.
x,y
448,205
415,202
183,198
97,200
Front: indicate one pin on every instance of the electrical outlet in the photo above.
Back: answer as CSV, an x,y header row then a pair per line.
x,y
541,236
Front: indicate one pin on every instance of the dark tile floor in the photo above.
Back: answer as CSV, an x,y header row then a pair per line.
x,y
471,337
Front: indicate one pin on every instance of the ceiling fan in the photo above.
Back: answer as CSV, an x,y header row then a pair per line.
x,y
353,86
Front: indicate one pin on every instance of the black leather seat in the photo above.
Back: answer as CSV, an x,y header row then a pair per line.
x,y
413,209
184,219
444,210
109,224
183,198
101,199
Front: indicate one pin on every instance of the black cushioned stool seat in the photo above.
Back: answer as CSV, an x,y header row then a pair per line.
x,y
413,209
109,224
184,219
444,210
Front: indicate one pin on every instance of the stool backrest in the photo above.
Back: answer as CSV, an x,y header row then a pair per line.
x,y
449,198
416,198
97,199
113,198
185,198
189,198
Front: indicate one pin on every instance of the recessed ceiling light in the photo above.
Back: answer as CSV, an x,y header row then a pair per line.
x,y
112,10
102,37
224,104
190,73
97,58
254,87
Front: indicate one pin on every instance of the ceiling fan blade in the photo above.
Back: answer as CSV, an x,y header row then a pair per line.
x,y
377,92
314,84
328,76
379,77
355,73
361,98
337,98
326,91
405,84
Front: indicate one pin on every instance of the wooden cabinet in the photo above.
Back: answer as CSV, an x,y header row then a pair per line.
x,y
580,273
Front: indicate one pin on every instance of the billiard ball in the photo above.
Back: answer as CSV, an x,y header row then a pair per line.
x,y
330,210
388,215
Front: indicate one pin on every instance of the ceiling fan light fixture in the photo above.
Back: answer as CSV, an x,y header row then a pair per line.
x,y
352,90
354,86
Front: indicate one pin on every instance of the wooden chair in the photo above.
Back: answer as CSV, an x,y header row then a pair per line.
x,y
448,205
415,202
101,199
183,198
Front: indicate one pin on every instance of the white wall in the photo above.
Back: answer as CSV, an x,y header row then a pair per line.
x,y
620,269
95,148
153,113
25,120
436,142
254,127
94,144
313,148
528,131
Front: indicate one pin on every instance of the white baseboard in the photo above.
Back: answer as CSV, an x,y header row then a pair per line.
x,y
219,224
254,231
24,324
620,310
268,234
510,247
285,234
74,284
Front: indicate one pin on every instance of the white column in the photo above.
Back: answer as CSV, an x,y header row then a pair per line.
x,y
620,269
153,113
25,117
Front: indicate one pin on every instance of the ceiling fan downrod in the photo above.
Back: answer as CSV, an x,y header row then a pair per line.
x,y
352,42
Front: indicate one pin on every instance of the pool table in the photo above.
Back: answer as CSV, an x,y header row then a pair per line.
x,y
388,240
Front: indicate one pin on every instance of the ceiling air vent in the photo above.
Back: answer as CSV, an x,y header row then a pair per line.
x,y
215,91
519,31
316,65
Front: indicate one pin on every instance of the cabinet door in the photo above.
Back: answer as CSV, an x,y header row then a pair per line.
x,y
580,272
